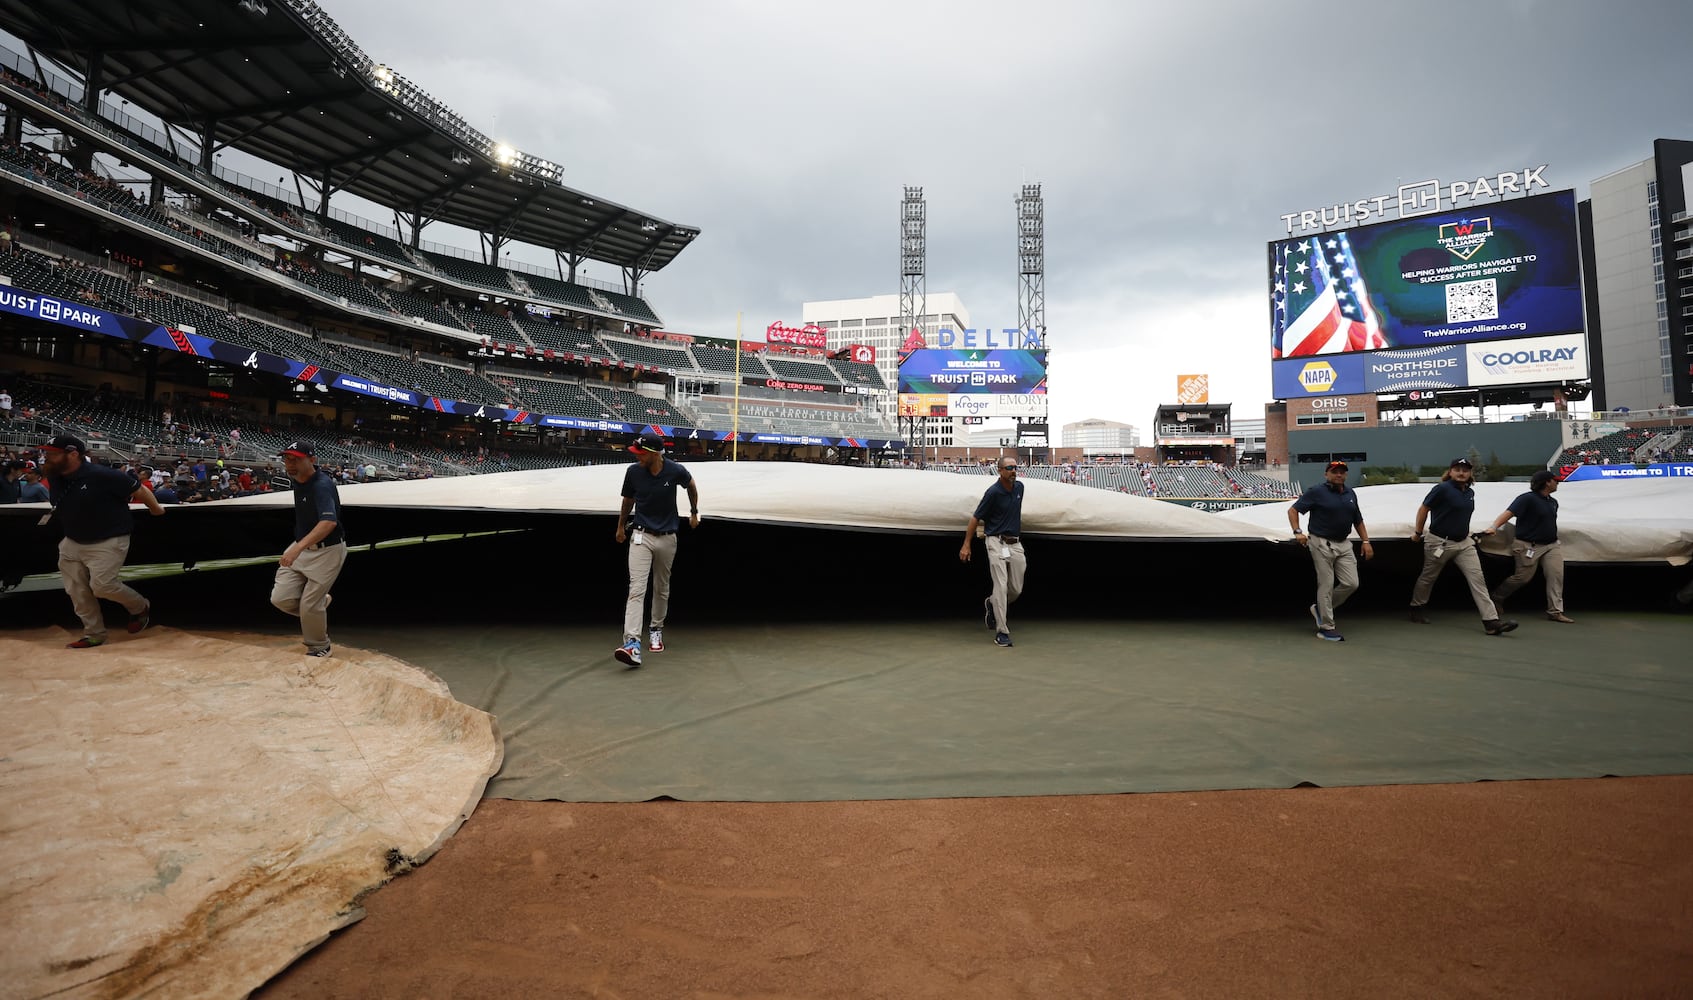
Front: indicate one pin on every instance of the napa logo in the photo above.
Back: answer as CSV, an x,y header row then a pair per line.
x,y
1318,376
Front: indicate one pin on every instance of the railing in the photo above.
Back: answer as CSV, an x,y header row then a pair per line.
x,y
185,156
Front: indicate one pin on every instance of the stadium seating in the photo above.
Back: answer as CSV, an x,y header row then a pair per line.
x,y
632,407
469,271
858,373
1615,448
663,357
787,366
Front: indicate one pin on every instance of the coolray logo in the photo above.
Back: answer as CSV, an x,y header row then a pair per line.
x,y
1495,359
1465,236
1317,376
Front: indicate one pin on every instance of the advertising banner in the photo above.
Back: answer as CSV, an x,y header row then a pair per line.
x,y
1297,378
995,404
938,372
1507,269
1193,388
1663,470
1541,359
809,335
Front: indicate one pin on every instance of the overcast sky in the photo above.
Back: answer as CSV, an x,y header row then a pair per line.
x,y
1169,139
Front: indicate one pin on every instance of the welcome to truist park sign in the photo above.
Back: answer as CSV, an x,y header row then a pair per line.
x,y
1420,198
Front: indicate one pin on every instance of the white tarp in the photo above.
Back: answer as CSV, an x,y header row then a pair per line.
x,y
1633,520
185,815
821,495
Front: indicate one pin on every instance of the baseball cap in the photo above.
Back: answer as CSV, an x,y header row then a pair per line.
x,y
1336,465
299,449
648,442
1460,460
64,442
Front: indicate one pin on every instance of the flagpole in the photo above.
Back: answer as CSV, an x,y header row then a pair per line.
x,y
735,420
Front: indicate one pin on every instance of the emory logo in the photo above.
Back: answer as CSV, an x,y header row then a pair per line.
x,y
1465,236
1317,376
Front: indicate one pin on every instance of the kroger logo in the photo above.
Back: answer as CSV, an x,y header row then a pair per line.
x,y
971,405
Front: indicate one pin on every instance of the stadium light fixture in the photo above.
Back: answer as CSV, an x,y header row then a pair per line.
x,y
504,155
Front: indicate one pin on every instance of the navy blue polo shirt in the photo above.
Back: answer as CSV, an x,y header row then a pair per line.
x,y
316,500
1450,508
1537,518
93,502
1001,510
1334,510
655,495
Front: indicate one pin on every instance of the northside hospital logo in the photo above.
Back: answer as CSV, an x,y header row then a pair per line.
x,y
1465,237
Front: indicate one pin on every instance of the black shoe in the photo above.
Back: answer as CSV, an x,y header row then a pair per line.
x,y
140,622
1417,614
987,617
1497,627
1002,639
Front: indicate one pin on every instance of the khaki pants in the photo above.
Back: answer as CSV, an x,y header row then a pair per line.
x,y
1006,564
1337,575
302,590
90,571
654,555
1469,563
1550,559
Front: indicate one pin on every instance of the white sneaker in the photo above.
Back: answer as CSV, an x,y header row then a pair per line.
x,y
655,640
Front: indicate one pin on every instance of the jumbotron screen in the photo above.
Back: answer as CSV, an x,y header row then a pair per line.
x,y
978,383
1487,296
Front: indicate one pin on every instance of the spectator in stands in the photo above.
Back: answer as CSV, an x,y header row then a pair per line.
x,y
1000,516
11,476
1536,544
5,406
649,499
1452,503
32,489
91,504
310,565
1334,512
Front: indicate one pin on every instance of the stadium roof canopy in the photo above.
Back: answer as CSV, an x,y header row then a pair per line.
x,y
279,79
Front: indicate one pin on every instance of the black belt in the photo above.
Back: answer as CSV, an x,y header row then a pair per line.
x,y
321,545
652,532
1009,539
1453,538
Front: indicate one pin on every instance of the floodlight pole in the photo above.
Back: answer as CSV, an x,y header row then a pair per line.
x,y
735,421
1031,296
913,295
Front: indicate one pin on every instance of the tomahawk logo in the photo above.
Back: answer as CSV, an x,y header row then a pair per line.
x,y
915,342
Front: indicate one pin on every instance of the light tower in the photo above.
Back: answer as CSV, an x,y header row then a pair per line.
x,y
1031,296
913,296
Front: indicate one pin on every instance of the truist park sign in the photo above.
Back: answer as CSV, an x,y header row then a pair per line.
x,y
1420,198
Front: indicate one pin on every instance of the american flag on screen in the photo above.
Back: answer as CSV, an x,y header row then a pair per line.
x,y
1319,300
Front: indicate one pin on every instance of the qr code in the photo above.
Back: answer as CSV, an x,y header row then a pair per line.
x,y
1468,301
